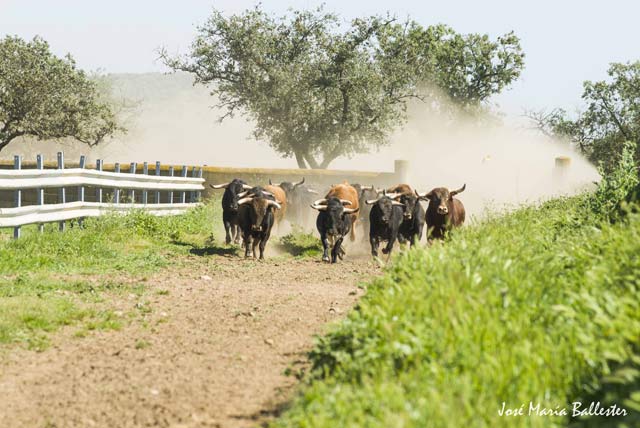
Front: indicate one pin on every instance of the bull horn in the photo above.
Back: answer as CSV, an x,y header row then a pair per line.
x,y
219,186
319,207
245,200
246,187
371,201
397,203
274,204
419,195
346,202
243,194
351,210
298,183
460,190
320,202
393,195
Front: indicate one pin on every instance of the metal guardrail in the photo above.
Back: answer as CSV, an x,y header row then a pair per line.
x,y
19,180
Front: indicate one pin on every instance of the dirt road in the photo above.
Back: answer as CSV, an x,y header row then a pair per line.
x,y
211,350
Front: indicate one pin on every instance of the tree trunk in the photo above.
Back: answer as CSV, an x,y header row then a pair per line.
x,y
311,161
300,159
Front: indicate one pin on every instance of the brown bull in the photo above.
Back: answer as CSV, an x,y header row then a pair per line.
x,y
280,196
444,211
346,192
400,189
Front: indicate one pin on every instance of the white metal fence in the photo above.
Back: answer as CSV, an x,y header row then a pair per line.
x,y
143,191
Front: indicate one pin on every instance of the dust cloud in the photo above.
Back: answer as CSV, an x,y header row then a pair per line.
x,y
172,121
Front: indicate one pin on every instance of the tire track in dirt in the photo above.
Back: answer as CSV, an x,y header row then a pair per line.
x,y
211,353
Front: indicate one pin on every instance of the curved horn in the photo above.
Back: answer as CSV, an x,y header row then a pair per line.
x,y
245,200
393,195
345,202
397,203
298,183
318,207
243,194
274,204
372,201
219,186
460,190
351,210
320,202
246,187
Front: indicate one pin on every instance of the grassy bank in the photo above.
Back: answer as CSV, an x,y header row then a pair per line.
x,y
54,279
538,306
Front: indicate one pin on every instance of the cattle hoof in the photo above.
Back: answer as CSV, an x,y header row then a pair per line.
x,y
326,259
385,251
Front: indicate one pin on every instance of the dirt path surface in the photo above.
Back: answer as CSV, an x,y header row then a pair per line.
x,y
216,338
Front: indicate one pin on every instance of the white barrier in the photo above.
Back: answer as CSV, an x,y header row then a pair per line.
x,y
19,180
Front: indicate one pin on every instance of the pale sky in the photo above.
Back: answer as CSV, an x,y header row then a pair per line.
x,y
566,42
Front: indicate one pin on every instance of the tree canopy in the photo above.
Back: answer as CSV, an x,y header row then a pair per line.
x,y
47,97
611,117
316,87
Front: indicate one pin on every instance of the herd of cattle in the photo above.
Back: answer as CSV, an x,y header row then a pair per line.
x,y
392,214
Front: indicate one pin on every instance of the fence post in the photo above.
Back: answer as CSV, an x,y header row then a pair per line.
x,y
192,194
17,164
183,194
132,193
99,189
171,191
62,196
40,165
81,188
145,193
158,175
199,193
116,192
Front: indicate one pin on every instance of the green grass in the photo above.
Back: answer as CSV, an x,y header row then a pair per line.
x,y
56,279
301,244
541,305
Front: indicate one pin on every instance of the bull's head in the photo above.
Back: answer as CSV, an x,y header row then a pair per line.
x,y
385,204
259,208
287,186
232,193
439,197
336,210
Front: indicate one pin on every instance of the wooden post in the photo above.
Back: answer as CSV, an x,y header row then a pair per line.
x,y
99,189
40,165
62,196
158,175
132,193
17,164
183,194
116,197
145,193
171,191
81,188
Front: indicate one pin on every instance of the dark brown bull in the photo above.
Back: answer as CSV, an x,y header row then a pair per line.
x,y
444,211
400,189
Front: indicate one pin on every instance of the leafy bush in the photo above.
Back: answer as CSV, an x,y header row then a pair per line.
x,y
302,244
540,305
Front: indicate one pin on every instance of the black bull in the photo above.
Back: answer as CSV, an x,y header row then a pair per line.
x,y
232,191
255,219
